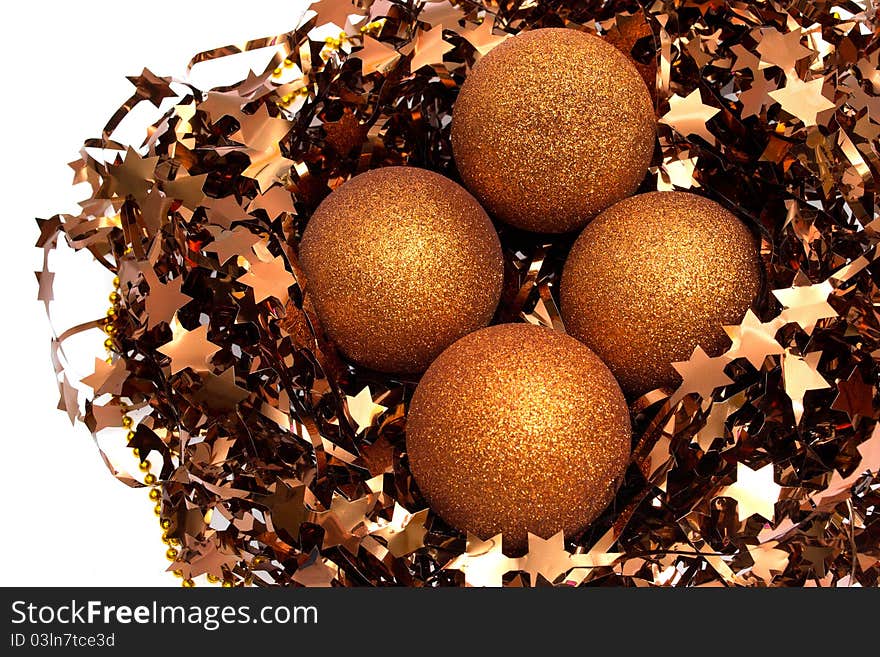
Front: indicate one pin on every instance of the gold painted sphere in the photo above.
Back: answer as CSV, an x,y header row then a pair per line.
x,y
654,276
517,428
551,127
401,262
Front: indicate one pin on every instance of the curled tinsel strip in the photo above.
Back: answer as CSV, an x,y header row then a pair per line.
x,y
281,464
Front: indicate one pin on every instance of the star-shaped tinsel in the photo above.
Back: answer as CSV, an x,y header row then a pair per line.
x,y
755,491
688,115
268,279
189,348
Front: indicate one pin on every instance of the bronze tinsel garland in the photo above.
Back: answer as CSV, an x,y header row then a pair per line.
x,y
282,465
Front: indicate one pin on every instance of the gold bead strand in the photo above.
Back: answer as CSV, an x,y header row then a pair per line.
x,y
109,325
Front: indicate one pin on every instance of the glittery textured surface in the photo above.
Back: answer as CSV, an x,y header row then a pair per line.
x,y
654,276
518,428
551,127
400,263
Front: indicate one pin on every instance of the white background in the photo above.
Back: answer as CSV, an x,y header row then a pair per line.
x,y
65,519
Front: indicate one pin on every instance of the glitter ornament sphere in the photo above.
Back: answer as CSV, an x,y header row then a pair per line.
x,y
517,428
654,276
552,127
401,262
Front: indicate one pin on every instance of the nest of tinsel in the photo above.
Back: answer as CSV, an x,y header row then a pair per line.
x,y
278,463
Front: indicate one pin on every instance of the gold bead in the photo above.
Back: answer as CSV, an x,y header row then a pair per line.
x,y
166,539
227,584
157,510
155,494
150,479
276,72
178,573
109,360
288,63
259,560
165,523
116,281
114,297
212,578
111,313
144,466
109,329
187,584
108,343
171,554
127,421
130,435
173,540
134,450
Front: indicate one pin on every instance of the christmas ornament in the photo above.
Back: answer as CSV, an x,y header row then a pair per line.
x,y
400,263
552,127
515,429
654,276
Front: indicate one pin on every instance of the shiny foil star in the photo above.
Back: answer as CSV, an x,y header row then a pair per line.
x,y
186,189
376,56
260,131
799,376
429,50
755,491
677,173
225,211
701,374
688,115
803,100
547,558
406,531
341,13
107,378
219,104
769,560
483,563
164,300
782,50
806,304
275,202
716,422
855,397
132,177
220,392
483,39
363,410
189,348
268,279
151,87
231,243
753,340
757,96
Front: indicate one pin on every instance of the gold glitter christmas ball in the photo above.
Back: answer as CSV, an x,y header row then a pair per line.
x,y
400,262
654,276
552,127
517,428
